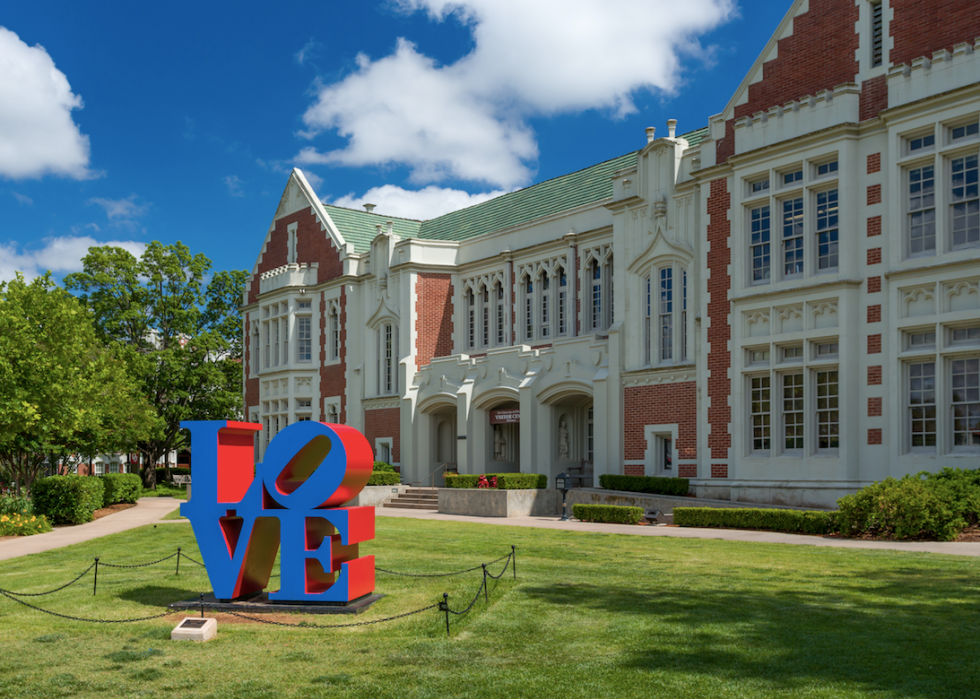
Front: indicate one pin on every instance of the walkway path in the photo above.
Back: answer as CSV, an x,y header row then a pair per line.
x,y
150,510
147,511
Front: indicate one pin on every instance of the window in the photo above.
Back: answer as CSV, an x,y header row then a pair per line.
x,y
966,402
305,305
792,177
596,316
562,302
305,338
922,404
965,131
666,314
921,143
877,34
793,237
922,211
793,411
500,313
265,327
828,415
760,244
528,309
759,186
684,314
255,350
827,230
646,322
302,403
470,319
827,350
334,334
545,306
275,332
590,437
960,336
759,411
965,198
760,356
387,360
793,354
485,315
825,169
921,340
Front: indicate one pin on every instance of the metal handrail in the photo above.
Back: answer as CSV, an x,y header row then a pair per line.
x,y
440,467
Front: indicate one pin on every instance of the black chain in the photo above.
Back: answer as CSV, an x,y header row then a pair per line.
x,y
92,621
306,625
475,598
440,575
186,557
506,566
138,565
57,589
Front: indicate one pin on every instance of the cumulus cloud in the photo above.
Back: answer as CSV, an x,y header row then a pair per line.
x,y
421,204
61,255
122,212
37,134
468,119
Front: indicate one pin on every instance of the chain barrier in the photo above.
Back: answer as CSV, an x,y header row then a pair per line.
x,y
188,558
307,625
138,565
440,575
76,618
57,589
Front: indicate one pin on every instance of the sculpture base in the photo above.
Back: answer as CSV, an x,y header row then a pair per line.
x,y
260,603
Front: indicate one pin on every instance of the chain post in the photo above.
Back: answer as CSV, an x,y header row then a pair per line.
x,y
444,607
95,583
202,605
513,559
486,596
178,560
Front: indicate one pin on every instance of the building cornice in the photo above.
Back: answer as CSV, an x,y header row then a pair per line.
x,y
938,267
766,293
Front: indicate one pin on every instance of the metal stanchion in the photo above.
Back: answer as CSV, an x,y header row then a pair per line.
x,y
95,583
444,607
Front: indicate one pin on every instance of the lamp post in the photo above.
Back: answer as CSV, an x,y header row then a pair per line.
x,y
561,483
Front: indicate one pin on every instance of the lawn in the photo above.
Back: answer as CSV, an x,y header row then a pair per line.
x,y
591,615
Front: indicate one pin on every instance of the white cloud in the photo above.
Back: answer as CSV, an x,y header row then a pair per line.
x,y
234,185
37,134
61,256
310,50
122,212
23,198
316,182
468,119
421,204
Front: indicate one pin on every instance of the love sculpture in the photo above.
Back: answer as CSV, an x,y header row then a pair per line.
x,y
242,512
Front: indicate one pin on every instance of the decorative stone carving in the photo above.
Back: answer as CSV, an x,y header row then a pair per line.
x,y
920,301
825,314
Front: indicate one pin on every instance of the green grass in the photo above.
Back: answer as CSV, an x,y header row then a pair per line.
x,y
165,490
591,615
173,515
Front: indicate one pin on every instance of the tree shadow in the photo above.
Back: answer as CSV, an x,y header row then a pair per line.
x,y
158,595
909,631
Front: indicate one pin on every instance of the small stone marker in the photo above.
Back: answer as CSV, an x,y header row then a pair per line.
x,y
193,629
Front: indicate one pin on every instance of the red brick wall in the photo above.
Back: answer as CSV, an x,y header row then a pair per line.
x,y
874,256
874,163
333,377
874,344
719,332
385,422
313,244
874,99
921,27
874,436
819,55
632,470
434,309
874,313
874,226
662,404
874,375
874,285
874,407
874,194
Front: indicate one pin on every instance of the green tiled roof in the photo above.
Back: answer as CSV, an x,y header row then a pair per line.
x,y
359,227
591,185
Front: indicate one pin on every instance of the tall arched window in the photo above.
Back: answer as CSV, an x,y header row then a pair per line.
x,y
499,312
665,315
545,305
470,319
387,359
562,302
528,308
334,333
485,316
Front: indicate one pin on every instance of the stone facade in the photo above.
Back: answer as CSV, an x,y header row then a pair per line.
x,y
783,307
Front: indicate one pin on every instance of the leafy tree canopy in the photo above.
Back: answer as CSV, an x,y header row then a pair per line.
x,y
180,333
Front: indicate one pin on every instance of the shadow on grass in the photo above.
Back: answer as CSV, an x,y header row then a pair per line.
x,y
158,595
911,632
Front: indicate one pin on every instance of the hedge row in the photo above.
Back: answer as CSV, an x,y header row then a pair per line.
x,y
793,521
645,484
505,481
383,466
607,513
68,499
121,487
384,478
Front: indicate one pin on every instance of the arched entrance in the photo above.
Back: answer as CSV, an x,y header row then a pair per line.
x,y
438,427
572,429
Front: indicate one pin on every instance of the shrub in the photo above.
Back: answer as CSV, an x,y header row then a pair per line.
x,y
12,504
792,521
121,487
913,507
384,478
505,481
23,525
383,466
174,471
607,513
645,484
67,499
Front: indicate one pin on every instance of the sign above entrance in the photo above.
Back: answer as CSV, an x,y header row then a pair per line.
x,y
506,416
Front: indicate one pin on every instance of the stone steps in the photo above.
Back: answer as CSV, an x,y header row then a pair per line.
x,y
416,499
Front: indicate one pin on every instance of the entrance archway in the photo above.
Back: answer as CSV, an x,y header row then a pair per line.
x,y
573,433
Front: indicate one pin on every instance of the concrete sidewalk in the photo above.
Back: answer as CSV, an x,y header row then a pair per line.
x,y
147,511
954,548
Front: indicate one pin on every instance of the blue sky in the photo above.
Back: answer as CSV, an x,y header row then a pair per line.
x,y
134,122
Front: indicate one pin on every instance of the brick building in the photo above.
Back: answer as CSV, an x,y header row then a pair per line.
x,y
782,306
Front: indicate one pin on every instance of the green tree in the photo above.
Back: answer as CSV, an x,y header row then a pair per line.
x,y
181,335
62,391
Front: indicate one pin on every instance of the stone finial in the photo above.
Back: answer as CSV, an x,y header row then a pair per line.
x,y
671,127
651,130
369,207
391,227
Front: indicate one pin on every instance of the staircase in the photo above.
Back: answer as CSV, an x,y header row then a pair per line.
x,y
416,499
